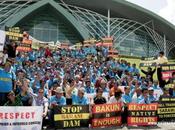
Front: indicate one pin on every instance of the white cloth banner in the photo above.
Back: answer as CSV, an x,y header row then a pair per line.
x,y
21,118
2,39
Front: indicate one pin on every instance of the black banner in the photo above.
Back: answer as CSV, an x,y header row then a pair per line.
x,y
142,114
148,61
166,110
106,115
13,34
71,116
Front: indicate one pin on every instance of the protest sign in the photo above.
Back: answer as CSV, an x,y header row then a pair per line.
x,y
71,116
26,44
167,71
145,62
142,114
106,115
166,110
21,118
13,34
2,40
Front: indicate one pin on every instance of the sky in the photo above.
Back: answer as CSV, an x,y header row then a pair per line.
x,y
164,8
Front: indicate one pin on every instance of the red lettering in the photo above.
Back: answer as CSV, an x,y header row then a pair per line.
x,y
6,115
16,115
1,115
33,114
22,115
11,116
27,115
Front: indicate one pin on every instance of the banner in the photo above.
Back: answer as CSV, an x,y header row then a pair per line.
x,y
106,115
2,40
71,116
145,62
142,114
26,44
13,34
167,71
166,110
21,118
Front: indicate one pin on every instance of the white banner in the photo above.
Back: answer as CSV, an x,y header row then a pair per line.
x,y
2,39
21,118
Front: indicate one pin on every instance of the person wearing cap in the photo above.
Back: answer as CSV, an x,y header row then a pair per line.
x,y
152,98
99,99
144,97
13,100
58,98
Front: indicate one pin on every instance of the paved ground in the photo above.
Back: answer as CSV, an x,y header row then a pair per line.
x,y
160,126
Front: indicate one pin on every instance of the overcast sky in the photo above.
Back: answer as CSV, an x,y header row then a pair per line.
x,y
164,8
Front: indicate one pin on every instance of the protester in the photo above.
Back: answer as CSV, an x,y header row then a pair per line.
x,y
52,78
13,100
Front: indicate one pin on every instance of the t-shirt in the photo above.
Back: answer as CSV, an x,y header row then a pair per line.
x,y
59,101
5,81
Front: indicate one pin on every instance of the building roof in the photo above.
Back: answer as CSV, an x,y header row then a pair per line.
x,y
124,9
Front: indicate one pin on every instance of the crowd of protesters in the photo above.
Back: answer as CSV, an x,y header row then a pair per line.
x,y
66,77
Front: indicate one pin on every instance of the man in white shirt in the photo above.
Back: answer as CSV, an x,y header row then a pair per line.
x,y
162,59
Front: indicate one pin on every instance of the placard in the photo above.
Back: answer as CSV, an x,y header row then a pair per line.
x,y
167,71
166,110
21,118
13,34
142,114
105,115
71,116
145,62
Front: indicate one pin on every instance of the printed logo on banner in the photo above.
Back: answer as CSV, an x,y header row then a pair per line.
x,y
21,118
106,115
166,110
71,116
142,114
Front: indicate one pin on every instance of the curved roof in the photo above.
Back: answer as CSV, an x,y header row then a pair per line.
x,y
124,9
31,9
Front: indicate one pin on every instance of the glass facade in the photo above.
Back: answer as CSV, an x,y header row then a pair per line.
x,y
45,25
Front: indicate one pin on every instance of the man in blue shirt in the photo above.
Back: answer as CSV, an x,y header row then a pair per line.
x,y
6,84
88,87
127,96
80,99
144,98
151,95
56,100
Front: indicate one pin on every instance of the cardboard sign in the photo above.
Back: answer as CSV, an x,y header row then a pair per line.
x,y
105,115
71,116
142,114
166,110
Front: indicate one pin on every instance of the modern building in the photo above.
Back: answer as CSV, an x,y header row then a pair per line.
x,y
136,31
